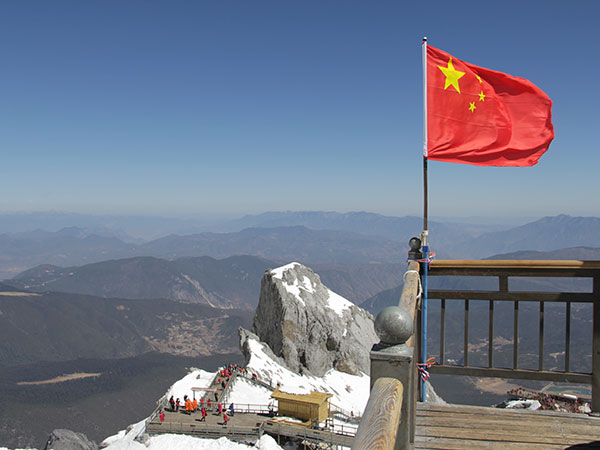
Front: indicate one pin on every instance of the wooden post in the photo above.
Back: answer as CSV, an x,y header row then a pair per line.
x,y
398,362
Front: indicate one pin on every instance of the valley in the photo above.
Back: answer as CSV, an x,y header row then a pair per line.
x,y
125,392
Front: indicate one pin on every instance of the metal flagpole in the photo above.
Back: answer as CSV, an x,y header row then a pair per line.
x,y
424,234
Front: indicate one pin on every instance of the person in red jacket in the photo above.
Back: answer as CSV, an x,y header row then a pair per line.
x,y
162,416
225,419
203,415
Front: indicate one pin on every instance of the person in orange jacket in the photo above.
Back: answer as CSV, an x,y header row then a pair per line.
x,y
194,405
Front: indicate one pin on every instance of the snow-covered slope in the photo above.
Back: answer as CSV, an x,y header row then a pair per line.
x,y
350,392
126,440
130,439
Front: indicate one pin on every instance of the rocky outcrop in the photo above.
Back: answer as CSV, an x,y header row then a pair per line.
x,y
69,440
311,328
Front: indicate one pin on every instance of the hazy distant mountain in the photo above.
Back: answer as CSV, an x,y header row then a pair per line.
x,y
231,282
399,229
282,244
20,251
126,227
75,246
547,234
59,326
581,253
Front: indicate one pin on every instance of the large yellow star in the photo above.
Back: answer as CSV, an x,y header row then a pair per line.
x,y
452,76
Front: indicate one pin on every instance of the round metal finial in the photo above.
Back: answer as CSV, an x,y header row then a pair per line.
x,y
414,243
415,248
394,325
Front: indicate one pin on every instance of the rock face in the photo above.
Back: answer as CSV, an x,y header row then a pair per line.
x,y
69,440
311,328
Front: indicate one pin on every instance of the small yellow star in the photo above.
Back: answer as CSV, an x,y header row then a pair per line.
x,y
452,76
479,78
481,97
472,106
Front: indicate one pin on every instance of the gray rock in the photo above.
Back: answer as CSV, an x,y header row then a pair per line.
x,y
309,327
69,440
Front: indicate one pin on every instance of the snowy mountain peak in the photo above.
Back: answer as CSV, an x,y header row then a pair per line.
x,y
311,328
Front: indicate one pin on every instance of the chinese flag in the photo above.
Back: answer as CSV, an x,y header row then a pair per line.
x,y
483,117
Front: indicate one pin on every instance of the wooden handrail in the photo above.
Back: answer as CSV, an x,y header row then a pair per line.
x,y
409,299
379,426
517,264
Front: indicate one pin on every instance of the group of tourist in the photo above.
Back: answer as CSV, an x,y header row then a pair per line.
x,y
194,406
204,406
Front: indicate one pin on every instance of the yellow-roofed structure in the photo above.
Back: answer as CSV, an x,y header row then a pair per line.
x,y
308,407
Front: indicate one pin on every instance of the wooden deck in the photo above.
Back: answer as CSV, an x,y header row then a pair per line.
x,y
473,427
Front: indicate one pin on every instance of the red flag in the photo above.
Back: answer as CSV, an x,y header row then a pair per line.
x,y
484,117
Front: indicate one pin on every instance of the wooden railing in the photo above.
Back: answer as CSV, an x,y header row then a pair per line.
x,y
393,366
380,426
503,271
389,418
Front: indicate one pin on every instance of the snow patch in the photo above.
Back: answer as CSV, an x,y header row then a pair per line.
x,y
279,271
337,303
196,378
296,286
307,285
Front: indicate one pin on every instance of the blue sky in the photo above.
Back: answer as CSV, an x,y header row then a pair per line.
x,y
234,107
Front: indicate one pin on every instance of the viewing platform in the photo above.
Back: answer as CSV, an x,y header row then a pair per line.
x,y
437,427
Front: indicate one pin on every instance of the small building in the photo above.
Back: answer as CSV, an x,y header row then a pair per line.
x,y
311,408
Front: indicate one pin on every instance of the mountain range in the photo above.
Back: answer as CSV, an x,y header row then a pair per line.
x,y
331,238
232,282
